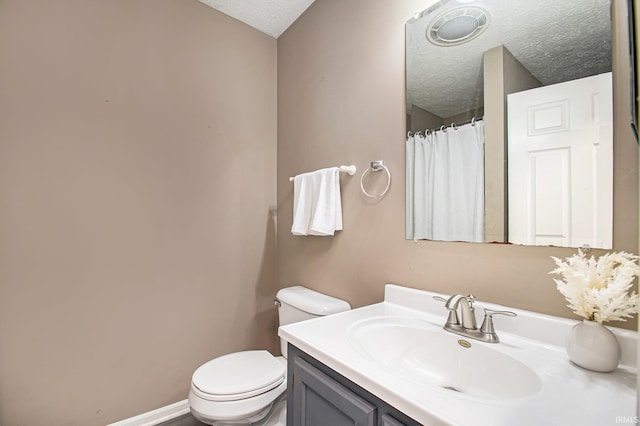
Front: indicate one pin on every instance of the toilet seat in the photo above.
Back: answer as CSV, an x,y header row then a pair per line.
x,y
238,376
238,386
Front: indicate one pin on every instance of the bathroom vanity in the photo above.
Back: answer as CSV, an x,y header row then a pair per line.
x,y
321,396
392,363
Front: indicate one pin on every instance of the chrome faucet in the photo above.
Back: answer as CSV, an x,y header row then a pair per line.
x,y
465,323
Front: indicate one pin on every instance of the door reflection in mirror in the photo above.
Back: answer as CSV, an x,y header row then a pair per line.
x,y
560,157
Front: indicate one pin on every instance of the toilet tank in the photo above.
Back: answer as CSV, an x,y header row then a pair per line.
x,y
299,303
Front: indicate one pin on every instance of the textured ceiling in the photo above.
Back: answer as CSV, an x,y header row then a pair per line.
x,y
556,40
272,17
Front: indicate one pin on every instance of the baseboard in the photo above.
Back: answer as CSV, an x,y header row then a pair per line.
x,y
157,416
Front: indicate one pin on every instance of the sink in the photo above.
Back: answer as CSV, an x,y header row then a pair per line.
x,y
424,353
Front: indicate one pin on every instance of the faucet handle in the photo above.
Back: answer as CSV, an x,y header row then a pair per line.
x,y
506,313
453,315
487,324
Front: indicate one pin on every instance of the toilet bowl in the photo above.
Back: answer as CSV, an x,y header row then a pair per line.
x,y
240,386
249,387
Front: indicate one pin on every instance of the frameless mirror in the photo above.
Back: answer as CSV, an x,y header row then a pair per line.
x,y
509,121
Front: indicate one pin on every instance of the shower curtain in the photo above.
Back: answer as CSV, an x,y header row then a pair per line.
x,y
445,184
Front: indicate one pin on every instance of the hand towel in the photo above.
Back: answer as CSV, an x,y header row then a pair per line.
x,y
317,207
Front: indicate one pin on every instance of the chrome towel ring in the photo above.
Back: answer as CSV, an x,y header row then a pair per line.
x,y
376,166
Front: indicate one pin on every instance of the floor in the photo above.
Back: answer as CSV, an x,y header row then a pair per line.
x,y
186,420
277,416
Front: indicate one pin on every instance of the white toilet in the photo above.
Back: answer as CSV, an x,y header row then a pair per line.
x,y
249,387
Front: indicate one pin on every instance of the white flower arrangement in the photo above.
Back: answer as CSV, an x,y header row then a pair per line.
x,y
598,290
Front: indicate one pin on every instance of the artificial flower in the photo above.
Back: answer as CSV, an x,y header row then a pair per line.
x,y
598,290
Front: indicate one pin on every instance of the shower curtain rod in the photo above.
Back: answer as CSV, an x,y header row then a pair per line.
x,y
444,128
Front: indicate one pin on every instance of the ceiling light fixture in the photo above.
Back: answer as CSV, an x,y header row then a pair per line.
x,y
457,26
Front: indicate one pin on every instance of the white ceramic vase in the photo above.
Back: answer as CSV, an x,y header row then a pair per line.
x,y
593,346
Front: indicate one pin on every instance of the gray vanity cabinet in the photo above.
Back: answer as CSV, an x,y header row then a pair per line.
x,y
318,396
320,400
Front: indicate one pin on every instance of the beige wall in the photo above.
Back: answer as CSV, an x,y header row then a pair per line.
x,y
625,151
420,119
137,169
503,75
464,117
637,38
137,176
344,61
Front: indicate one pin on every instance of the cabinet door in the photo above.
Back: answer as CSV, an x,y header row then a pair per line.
x,y
388,420
320,401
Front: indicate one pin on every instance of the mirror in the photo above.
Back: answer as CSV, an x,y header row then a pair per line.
x,y
468,65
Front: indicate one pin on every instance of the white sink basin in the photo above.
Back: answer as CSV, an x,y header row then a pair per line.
x,y
426,354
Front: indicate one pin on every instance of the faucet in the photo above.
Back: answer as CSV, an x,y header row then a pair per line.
x,y
467,313
465,323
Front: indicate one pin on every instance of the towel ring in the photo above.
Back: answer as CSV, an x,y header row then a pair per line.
x,y
376,166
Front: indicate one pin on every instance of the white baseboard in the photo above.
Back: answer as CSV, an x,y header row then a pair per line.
x,y
152,418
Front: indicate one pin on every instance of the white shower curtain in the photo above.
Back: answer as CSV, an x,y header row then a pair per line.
x,y
445,184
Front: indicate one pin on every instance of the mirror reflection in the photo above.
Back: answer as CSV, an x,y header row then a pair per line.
x,y
509,120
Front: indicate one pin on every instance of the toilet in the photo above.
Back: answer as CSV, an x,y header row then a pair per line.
x,y
249,387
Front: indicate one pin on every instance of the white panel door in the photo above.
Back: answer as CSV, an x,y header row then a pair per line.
x,y
560,164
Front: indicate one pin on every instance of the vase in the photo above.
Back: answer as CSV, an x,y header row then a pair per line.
x,y
593,346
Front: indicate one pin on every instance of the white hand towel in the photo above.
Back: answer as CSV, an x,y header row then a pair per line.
x,y
317,207
302,203
327,215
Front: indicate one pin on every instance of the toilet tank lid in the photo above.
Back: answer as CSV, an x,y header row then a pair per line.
x,y
311,301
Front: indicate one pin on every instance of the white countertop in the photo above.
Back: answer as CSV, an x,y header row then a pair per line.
x,y
569,394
